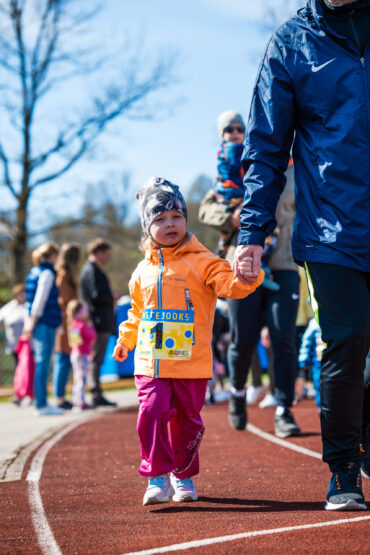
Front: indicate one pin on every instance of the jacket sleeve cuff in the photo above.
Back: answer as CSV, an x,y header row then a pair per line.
x,y
251,237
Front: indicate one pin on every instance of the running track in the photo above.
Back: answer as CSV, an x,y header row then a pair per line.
x,y
80,493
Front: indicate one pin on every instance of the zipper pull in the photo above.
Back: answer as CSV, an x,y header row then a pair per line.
x,y
362,60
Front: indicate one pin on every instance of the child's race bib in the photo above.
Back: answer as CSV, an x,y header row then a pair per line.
x,y
75,339
165,334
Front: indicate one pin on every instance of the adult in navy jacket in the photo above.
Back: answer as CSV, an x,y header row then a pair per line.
x,y
313,95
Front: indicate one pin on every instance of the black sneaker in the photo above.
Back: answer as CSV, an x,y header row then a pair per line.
x,y
345,490
103,402
65,405
237,412
285,425
365,452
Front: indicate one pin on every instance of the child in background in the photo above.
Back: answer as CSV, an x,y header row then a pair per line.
x,y
173,292
81,338
229,187
310,354
220,342
12,316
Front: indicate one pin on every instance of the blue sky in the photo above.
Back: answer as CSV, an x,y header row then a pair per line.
x,y
220,44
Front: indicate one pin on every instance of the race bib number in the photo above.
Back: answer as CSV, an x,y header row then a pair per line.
x,y
165,334
75,339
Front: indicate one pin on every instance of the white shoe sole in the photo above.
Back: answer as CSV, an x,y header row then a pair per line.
x,y
184,498
284,435
154,500
350,505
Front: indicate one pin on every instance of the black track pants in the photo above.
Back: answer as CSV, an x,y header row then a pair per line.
x,y
342,300
247,317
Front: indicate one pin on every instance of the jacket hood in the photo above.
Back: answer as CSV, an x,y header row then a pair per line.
x,y
313,14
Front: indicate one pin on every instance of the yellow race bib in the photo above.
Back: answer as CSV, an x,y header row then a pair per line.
x,y
165,334
75,339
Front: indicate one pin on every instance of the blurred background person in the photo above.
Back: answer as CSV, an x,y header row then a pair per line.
x,y
44,317
96,292
81,338
276,309
12,316
67,267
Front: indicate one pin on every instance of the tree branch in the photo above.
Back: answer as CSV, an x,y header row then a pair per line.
x,y
7,178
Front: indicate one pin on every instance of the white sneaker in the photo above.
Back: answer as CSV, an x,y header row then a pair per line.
x,y
49,410
268,401
159,490
184,489
253,393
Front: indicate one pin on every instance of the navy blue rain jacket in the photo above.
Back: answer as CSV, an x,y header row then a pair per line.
x,y
312,89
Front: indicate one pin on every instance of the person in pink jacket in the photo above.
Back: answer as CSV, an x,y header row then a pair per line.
x,y
173,293
81,338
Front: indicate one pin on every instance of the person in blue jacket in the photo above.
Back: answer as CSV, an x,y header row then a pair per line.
x,y
229,188
313,92
44,317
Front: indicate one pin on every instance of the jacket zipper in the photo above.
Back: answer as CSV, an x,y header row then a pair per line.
x,y
367,97
159,288
190,306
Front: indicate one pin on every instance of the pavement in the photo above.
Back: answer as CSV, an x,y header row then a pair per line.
x,y
22,430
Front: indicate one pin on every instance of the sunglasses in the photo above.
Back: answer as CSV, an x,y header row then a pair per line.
x,y
231,128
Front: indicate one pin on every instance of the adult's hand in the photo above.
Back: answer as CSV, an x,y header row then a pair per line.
x,y
243,252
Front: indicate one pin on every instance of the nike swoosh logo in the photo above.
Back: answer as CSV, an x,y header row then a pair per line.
x,y
317,68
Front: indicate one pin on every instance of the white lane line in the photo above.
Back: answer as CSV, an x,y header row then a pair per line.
x,y
45,536
282,442
242,536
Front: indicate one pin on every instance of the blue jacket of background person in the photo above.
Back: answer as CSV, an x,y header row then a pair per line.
x,y
312,89
52,315
230,179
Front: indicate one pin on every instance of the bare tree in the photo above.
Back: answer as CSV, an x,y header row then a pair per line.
x,y
39,52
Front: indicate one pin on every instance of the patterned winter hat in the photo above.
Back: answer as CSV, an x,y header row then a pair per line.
x,y
227,118
156,196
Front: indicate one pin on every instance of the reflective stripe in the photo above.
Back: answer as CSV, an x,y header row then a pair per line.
x,y
314,305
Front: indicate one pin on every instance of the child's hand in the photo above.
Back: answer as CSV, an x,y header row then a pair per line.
x,y
120,352
246,265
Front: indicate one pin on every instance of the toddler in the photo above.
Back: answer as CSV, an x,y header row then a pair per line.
x,y
81,338
229,188
173,293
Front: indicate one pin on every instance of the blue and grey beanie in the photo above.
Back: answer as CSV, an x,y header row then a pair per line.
x,y
156,196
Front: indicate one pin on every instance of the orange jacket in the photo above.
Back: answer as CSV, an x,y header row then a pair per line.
x,y
170,288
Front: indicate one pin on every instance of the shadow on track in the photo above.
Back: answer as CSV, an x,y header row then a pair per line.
x,y
242,505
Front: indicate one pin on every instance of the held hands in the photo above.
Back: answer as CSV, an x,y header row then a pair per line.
x,y
246,265
120,352
247,262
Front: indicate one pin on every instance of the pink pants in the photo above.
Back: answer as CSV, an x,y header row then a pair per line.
x,y
80,367
174,404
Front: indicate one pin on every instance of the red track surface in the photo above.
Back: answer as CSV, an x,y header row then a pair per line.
x,y
92,494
